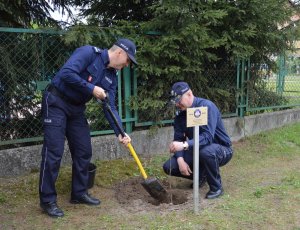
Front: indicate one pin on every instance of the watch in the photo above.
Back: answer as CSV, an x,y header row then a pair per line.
x,y
185,145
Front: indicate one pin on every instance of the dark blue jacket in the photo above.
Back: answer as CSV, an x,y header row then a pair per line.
x,y
86,68
213,132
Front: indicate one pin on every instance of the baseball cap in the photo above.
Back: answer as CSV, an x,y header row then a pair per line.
x,y
178,89
129,47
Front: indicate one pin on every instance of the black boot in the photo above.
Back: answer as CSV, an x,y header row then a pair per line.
x,y
85,199
214,194
52,209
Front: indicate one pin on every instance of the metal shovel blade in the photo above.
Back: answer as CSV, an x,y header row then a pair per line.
x,y
155,189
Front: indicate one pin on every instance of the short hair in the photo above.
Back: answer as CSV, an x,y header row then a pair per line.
x,y
114,48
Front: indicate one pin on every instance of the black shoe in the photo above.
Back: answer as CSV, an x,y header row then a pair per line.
x,y
52,209
85,199
202,182
216,194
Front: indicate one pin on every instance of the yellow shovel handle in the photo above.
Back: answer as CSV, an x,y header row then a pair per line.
x,y
137,160
106,103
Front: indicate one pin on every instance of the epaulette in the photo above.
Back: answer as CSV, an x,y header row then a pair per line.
x,y
97,50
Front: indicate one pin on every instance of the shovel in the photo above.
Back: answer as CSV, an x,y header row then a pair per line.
x,y
151,185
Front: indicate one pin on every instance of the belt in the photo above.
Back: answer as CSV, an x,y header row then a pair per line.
x,y
52,89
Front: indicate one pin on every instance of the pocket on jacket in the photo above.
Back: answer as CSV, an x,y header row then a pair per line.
x,y
53,121
93,73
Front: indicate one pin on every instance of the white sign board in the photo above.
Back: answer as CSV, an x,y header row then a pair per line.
x,y
196,116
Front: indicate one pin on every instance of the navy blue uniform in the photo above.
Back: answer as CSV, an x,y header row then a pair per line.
x,y
214,145
63,108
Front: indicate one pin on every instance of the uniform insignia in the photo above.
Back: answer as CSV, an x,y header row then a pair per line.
x,y
97,50
108,79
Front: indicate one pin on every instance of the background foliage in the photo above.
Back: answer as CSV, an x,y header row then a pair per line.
x,y
191,40
195,41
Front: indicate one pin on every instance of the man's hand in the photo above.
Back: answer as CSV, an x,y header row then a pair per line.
x,y
99,93
124,140
184,168
176,146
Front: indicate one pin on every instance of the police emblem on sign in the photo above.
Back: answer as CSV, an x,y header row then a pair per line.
x,y
197,113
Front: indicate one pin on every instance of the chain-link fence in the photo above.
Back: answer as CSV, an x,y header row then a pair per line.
x,y
26,58
217,82
267,90
30,58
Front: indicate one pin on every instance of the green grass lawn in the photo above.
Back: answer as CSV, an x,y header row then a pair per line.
x,y
261,182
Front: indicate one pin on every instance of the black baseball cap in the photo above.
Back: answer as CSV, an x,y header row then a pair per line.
x,y
129,47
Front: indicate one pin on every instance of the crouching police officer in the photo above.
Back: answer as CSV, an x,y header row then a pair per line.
x,y
89,72
214,143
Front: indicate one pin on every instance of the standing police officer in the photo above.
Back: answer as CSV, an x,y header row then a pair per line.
x,y
89,72
214,143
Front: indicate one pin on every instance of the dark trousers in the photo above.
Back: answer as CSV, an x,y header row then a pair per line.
x,y
60,120
211,157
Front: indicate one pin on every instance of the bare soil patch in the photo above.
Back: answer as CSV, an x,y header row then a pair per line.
x,y
132,189
132,196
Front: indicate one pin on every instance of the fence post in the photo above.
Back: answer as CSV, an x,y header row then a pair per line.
x,y
120,110
241,87
281,75
248,72
135,94
127,94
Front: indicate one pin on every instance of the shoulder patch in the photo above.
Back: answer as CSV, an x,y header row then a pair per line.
x,y
96,49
